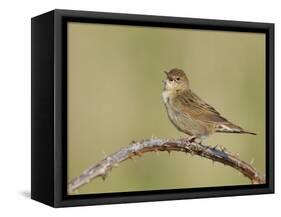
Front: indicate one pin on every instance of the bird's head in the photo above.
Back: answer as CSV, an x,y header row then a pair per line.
x,y
176,80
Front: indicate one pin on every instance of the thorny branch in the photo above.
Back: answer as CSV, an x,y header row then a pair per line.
x,y
153,145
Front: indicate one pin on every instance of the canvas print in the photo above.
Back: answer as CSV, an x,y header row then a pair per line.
x,y
154,108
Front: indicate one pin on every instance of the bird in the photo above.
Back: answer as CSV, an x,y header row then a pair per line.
x,y
189,113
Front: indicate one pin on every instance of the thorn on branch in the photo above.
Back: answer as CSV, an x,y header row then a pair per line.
x,y
138,153
103,176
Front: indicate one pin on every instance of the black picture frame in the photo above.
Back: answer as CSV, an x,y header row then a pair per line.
x,y
49,107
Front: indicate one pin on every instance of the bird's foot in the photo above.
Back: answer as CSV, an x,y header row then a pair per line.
x,y
191,139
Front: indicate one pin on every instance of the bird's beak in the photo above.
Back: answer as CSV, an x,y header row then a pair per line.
x,y
168,76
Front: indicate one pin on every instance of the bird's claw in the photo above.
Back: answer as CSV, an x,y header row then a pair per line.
x,y
191,139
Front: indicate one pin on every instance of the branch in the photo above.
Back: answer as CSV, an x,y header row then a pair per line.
x,y
153,145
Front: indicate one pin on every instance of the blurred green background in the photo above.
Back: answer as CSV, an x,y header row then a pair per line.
x,y
114,97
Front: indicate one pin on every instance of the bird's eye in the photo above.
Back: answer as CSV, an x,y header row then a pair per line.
x,y
178,78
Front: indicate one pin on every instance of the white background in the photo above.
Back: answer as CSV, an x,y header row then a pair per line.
x,y
15,107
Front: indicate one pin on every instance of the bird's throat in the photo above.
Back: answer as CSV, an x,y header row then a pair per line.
x,y
168,96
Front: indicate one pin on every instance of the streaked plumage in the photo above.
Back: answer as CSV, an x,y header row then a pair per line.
x,y
189,113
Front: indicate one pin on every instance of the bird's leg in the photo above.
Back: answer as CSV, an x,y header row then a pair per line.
x,y
188,140
191,139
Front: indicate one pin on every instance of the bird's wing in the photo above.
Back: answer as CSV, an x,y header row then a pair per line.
x,y
192,105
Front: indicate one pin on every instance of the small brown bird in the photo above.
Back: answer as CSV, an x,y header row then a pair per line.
x,y
189,113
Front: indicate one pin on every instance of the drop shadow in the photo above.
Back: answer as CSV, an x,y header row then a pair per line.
x,y
25,194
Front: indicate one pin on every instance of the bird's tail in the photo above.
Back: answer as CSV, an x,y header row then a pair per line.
x,y
228,127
